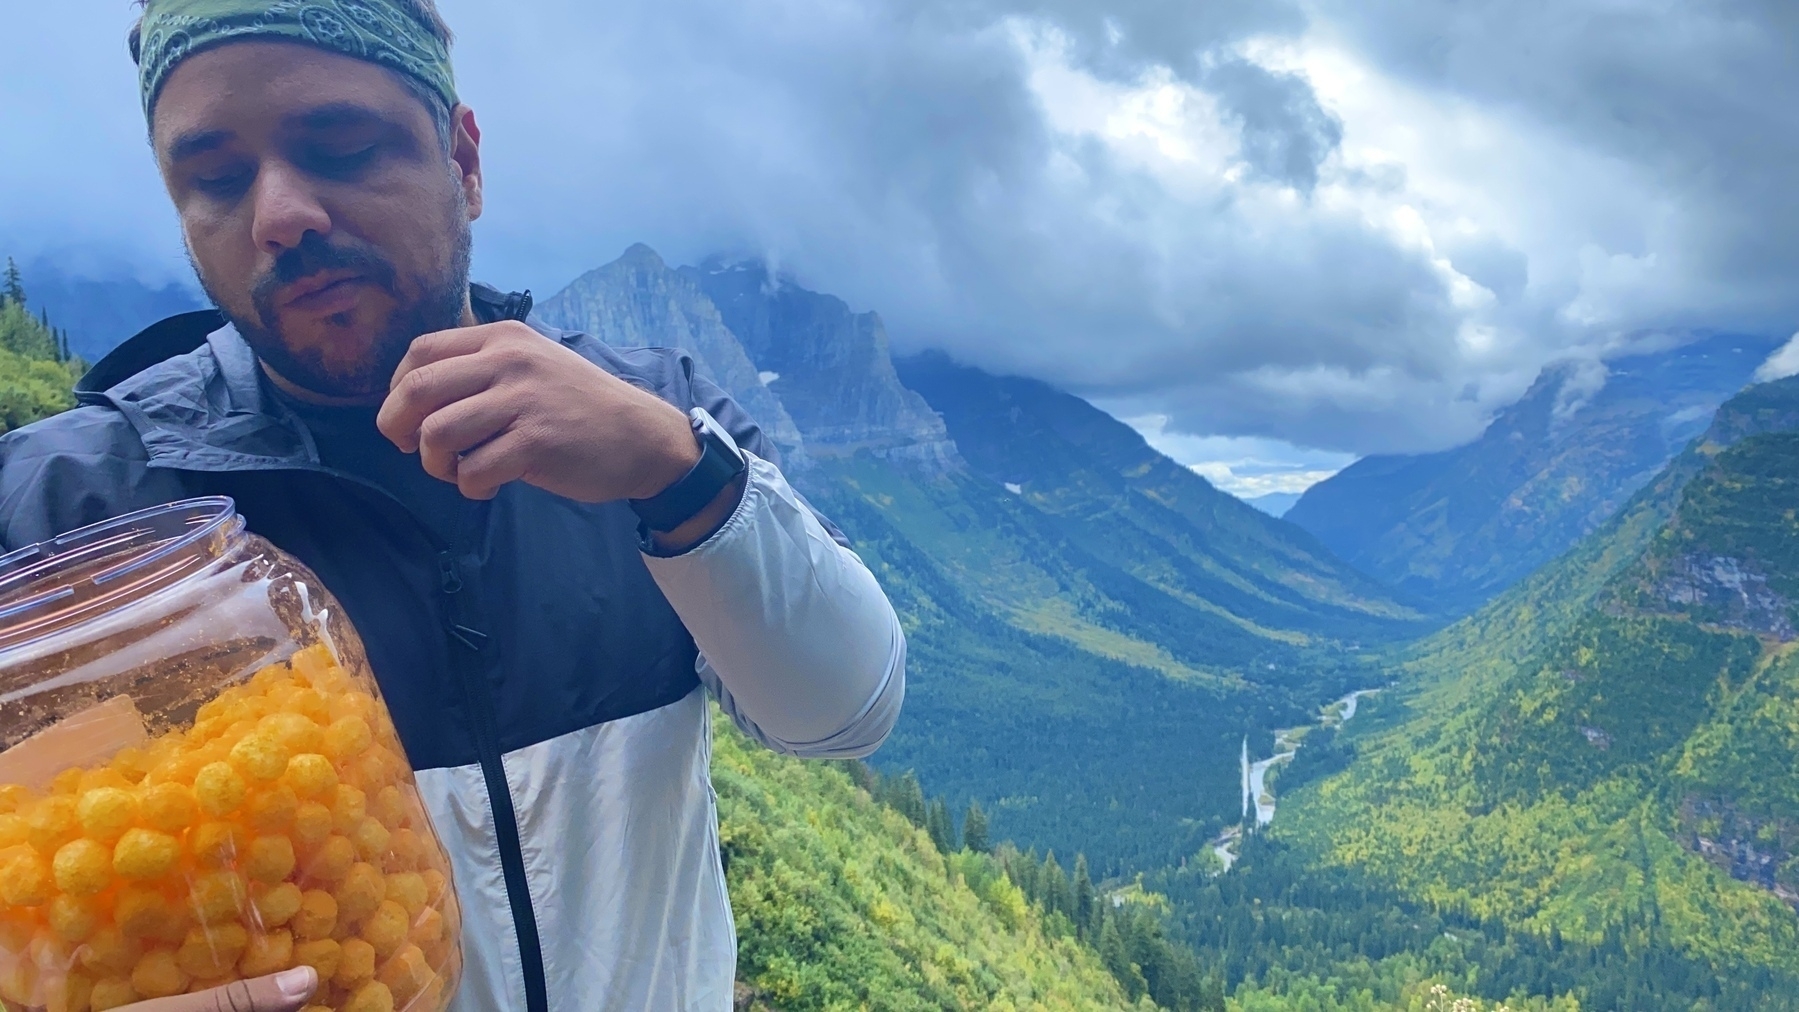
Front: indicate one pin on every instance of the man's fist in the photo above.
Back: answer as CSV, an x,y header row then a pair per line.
x,y
486,405
286,991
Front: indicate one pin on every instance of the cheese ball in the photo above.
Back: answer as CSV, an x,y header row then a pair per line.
x,y
293,732
259,757
143,854
268,953
217,844
269,859
97,777
217,896
356,964
73,918
83,867
349,806
272,809
106,812
317,916
208,953
321,954
361,891
51,823
311,775
14,830
385,929
275,905
25,879
427,928
348,737
332,861
219,789
14,797
68,782
371,839
406,974
168,808
110,953
312,823
111,993
157,976
409,891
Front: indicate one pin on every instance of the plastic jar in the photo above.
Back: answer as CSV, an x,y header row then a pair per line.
x,y
199,780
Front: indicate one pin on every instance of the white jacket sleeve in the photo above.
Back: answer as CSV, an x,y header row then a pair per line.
x,y
796,638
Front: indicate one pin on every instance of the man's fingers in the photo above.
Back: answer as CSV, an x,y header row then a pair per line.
x,y
286,991
505,458
444,344
462,425
427,390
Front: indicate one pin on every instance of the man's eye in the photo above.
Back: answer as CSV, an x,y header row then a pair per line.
x,y
338,163
223,184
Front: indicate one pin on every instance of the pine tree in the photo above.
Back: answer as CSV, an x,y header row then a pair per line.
x,y
909,799
12,289
942,830
974,828
1083,894
1052,886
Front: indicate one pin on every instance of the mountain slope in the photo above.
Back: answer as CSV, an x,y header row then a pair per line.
x,y
1607,752
1459,526
843,903
100,312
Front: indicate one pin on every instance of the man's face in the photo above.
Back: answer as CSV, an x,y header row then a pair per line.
x,y
323,214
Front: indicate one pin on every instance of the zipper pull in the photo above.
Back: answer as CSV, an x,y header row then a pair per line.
x,y
450,577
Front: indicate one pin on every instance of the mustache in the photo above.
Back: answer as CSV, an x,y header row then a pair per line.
x,y
312,255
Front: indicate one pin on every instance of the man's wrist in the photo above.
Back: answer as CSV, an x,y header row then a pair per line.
x,y
719,465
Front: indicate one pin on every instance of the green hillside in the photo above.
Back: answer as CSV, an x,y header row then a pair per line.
x,y
37,374
1604,757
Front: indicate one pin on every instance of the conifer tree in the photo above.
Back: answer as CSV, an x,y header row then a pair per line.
x,y
974,828
1083,898
941,828
12,289
1052,886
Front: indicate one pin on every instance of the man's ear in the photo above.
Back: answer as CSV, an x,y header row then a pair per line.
x,y
465,152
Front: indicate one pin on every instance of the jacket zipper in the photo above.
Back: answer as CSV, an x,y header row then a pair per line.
x,y
467,657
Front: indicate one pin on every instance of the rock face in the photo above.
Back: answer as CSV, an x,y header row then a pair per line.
x,y
1459,526
831,367
638,301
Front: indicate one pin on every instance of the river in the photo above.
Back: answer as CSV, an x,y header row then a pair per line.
x,y
1256,792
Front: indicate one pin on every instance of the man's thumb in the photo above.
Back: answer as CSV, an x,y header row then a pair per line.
x,y
286,991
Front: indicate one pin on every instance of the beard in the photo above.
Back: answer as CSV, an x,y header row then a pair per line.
x,y
434,303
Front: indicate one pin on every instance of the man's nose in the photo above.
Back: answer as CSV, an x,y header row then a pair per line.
x,y
286,209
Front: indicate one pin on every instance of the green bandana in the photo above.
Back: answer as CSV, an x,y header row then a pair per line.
x,y
379,31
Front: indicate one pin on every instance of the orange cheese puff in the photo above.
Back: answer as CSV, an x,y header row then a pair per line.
x,y
371,997
73,918
19,982
269,859
391,808
268,676
322,955
409,891
212,952
100,776
219,789
157,976
371,839
139,912
168,808
13,830
317,917
332,861
74,993
182,767
106,812
309,703
217,706
82,867
216,844
349,806
145,854
361,891
406,851
51,823
311,661
435,884
385,929
406,974
109,952
347,737
292,731
356,965
174,926
110,993
311,775
275,905
270,953
25,879
272,809
259,757
68,782
131,763
217,896
14,797
312,823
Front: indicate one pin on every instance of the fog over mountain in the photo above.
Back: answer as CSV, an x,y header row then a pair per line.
x,y
1348,227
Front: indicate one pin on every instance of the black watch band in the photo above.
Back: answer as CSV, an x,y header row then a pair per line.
x,y
720,464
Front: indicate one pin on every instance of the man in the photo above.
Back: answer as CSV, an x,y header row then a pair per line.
x,y
547,548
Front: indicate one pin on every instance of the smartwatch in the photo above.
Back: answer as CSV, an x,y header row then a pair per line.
x,y
720,464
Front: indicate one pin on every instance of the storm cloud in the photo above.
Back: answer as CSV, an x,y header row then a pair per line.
x,y
1350,226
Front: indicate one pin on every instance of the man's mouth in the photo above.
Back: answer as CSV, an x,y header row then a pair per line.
x,y
325,292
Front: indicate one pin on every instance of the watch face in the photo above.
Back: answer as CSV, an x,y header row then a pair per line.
x,y
707,429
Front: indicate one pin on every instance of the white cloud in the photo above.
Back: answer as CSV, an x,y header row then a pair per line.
x,y
1781,364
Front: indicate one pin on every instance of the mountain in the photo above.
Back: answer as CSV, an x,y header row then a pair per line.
x,y
1275,504
831,367
99,312
638,301
1459,526
1604,756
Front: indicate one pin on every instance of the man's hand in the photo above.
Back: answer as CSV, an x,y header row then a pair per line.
x,y
486,405
286,991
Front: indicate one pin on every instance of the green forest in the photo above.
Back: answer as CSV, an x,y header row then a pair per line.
x,y
37,373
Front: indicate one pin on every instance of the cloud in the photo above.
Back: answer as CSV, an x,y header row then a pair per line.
x,y
1243,466
1783,363
1356,226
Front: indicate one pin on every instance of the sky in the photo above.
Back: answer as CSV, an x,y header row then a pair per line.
x,y
1275,235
